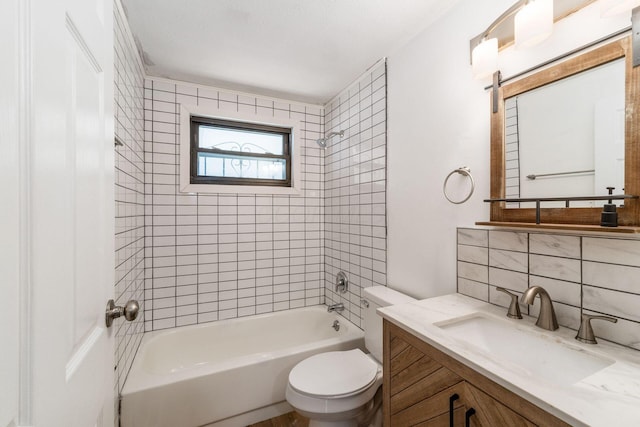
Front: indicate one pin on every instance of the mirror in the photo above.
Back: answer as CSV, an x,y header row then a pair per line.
x,y
566,138
565,131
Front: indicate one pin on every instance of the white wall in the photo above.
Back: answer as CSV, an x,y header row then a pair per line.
x,y
438,121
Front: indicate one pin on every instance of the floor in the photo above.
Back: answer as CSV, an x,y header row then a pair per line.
x,y
291,419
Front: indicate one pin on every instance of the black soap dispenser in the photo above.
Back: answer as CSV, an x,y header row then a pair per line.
x,y
609,216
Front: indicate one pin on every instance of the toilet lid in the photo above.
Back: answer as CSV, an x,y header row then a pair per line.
x,y
334,373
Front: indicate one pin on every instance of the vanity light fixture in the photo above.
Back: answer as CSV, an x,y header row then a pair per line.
x,y
610,8
533,23
530,15
527,22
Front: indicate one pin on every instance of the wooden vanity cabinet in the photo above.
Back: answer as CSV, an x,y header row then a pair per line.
x,y
425,387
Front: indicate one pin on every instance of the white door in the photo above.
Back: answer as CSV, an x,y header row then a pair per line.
x,y
65,207
9,216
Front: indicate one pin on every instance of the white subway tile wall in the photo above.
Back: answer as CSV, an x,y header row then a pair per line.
x,y
588,274
218,256
512,150
129,192
355,190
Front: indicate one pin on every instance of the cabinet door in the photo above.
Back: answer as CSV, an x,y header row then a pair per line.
x,y
419,387
434,410
444,420
490,412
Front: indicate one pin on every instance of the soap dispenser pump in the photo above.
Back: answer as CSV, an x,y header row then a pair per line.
x,y
609,216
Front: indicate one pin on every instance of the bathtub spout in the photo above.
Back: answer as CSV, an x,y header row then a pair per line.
x,y
339,307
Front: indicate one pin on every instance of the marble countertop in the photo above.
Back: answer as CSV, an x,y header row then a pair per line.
x,y
610,396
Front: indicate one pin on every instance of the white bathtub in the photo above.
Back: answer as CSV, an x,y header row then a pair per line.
x,y
231,372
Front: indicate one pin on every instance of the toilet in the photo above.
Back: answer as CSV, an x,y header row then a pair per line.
x,y
342,388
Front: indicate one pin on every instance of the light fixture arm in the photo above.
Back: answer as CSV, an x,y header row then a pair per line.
x,y
499,20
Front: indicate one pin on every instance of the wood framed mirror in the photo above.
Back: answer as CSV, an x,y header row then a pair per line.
x,y
628,118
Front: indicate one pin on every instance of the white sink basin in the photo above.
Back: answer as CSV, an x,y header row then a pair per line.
x,y
521,348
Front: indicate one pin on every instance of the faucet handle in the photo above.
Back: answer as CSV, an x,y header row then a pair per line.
x,y
585,333
514,307
342,283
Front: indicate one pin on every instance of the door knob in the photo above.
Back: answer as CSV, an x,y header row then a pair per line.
x,y
130,311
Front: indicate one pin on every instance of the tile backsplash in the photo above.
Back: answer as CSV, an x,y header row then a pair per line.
x,y
582,273
355,189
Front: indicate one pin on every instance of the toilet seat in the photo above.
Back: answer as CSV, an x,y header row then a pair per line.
x,y
334,374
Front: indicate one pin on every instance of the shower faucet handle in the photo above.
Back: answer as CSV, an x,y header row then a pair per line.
x,y
514,307
342,283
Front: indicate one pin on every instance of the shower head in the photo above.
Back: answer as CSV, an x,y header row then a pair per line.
x,y
322,142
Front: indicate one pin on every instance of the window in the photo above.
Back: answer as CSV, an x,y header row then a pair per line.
x,y
238,152
228,152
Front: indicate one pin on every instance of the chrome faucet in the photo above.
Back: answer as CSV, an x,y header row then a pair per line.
x,y
547,317
339,307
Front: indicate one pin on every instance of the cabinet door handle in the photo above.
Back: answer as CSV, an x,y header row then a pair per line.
x,y
467,416
452,399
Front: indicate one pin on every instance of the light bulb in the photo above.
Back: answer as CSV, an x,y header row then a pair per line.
x,y
484,58
533,23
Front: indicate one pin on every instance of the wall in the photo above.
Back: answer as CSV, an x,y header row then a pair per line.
x,y
212,257
582,274
355,189
129,191
438,121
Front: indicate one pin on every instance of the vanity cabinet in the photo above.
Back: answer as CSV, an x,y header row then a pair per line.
x,y
425,387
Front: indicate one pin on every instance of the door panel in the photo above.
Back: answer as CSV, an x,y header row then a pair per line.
x,y
9,214
85,146
71,211
490,412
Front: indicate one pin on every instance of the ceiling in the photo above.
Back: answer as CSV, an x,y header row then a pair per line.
x,y
301,50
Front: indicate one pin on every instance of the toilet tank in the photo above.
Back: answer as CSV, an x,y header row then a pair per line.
x,y
378,296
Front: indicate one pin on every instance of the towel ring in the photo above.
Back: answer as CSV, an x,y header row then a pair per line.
x,y
462,171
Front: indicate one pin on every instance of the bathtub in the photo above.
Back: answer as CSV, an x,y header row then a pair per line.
x,y
227,373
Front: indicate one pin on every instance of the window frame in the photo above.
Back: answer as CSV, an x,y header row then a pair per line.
x,y
255,117
197,121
